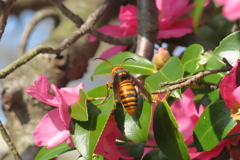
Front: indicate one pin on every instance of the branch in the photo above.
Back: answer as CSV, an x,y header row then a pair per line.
x,y
31,25
130,40
85,28
6,8
106,38
147,27
68,13
9,142
192,79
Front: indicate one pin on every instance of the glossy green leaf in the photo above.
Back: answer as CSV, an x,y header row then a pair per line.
x,y
86,135
166,133
135,149
229,48
45,154
193,59
78,110
171,71
139,65
214,124
155,154
211,97
214,63
135,127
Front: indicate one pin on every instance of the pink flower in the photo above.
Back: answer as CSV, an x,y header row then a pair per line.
x,y
54,126
107,144
229,89
230,9
187,117
170,23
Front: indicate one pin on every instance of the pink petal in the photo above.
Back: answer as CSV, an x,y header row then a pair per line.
x,y
127,13
236,94
112,51
230,9
107,143
112,30
228,85
40,91
207,155
177,29
91,38
170,8
50,131
183,110
68,97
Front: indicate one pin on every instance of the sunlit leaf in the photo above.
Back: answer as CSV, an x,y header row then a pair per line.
x,y
171,71
86,135
229,48
139,65
78,110
193,59
214,124
45,154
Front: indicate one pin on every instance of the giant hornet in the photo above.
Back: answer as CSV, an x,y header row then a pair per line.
x,y
125,87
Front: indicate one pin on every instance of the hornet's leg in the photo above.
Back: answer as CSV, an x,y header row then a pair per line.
x,y
108,86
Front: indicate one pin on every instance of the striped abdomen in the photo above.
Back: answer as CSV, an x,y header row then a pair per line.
x,y
128,96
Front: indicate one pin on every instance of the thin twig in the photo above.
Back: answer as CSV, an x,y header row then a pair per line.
x,y
6,8
129,40
68,13
193,79
106,38
39,16
9,142
85,28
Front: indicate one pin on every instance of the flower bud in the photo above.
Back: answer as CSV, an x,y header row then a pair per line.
x,y
161,57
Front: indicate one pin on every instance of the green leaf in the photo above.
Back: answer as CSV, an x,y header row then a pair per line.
x,y
211,97
78,110
86,135
155,154
45,154
141,65
171,71
135,149
214,124
166,133
193,59
135,127
214,63
229,48
197,12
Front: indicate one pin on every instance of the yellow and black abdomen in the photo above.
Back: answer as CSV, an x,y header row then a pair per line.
x,y
128,96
